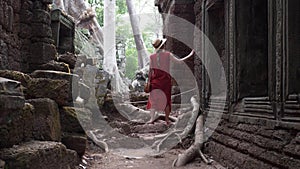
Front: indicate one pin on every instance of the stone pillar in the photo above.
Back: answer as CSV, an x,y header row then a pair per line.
x,y
42,49
9,41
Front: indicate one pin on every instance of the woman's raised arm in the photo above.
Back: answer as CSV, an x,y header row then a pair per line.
x,y
174,58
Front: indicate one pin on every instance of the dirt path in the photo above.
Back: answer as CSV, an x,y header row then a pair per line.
x,y
95,159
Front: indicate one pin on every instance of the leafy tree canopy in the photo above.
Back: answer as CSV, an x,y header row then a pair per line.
x,y
124,31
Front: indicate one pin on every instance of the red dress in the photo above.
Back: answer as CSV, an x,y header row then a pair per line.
x,y
160,80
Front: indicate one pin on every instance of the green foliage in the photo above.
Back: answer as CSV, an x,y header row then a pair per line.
x,y
121,7
131,63
124,31
98,5
100,15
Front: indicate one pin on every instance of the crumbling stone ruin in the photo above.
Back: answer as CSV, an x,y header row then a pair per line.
x,y
38,85
256,42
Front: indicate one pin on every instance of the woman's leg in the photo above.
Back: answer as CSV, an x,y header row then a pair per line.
x,y
167,114
152,116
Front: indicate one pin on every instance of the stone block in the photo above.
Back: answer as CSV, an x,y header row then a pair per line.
x,y
42,53
4,64
10,87
39,155
71,121
55,75
46,123
27,5
248,128
15,55
25,46
1,12
252,163
16,25
244,147
272,158
57,90
41,16
265,132
47,1
44,40
224,130
5,19
282,135
72,79
292,163
41,30
77,142
237,158
292,150
27,119
11,103
13,120
3,47
10,19
16,4
267,143
214,149
69,59
26,16
242,135
256,151
17,76
56,66
26,32
39,5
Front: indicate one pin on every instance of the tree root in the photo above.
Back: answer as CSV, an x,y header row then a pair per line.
x,y
195,149
99,143
134,113
179,133
193,118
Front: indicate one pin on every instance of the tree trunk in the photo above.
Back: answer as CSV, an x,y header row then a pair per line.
x,y
143,59
85,18
110,60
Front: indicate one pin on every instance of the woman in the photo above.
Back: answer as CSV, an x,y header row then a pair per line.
x,y
160,80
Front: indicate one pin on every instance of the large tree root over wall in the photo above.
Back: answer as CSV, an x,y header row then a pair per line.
x,y
195,150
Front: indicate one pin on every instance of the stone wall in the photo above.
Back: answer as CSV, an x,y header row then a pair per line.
x,y
25,34
243,142
240,140
36,96
10,41
42,49
197,45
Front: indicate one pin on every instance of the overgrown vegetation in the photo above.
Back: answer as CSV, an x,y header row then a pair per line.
x,y
124,31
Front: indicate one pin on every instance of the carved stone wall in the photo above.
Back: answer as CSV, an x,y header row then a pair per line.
x,y
198,48
255,40
25,34
32,105
247,143
10,41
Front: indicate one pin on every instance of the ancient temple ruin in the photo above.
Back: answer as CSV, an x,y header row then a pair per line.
x,y
256,41
38,120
